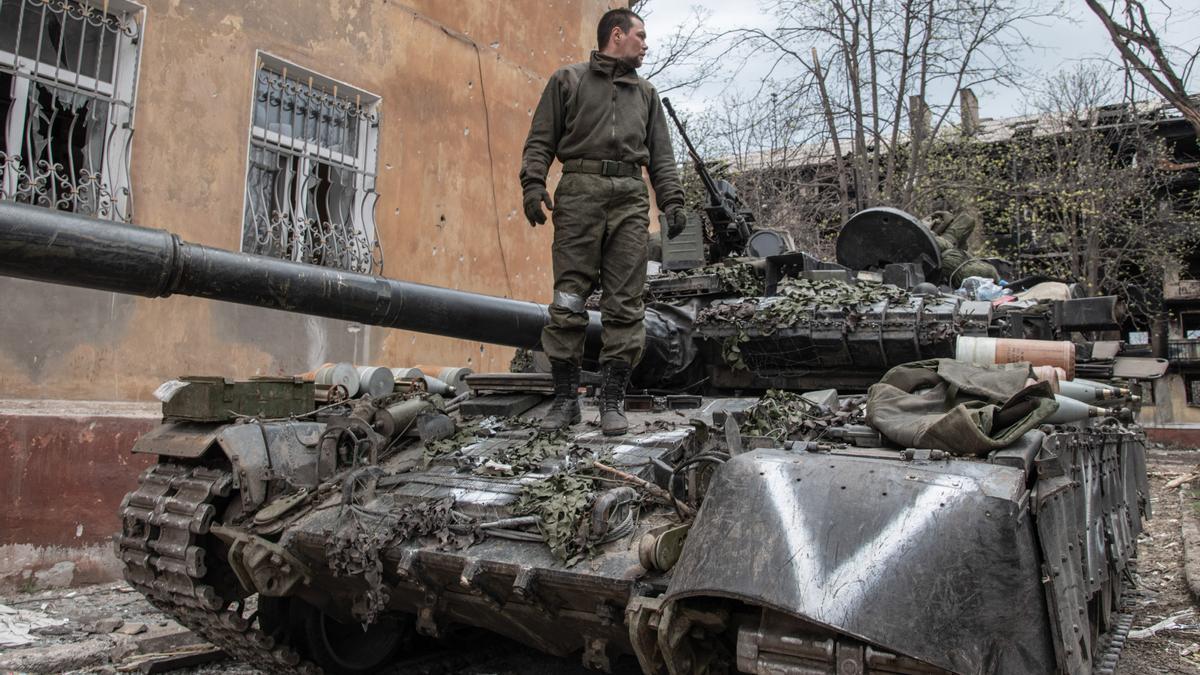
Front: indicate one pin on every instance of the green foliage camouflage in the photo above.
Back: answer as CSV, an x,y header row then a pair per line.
x,y
527,456
793,304
740,278
518,458
784,415
561,504
522,361
779,414
363,531
467,433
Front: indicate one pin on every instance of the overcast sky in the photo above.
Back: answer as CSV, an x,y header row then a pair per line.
x,y
1079,37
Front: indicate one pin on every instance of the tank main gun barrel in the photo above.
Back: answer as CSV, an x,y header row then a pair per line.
x,y
64,248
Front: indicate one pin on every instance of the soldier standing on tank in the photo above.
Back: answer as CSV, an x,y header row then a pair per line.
x,y
604,123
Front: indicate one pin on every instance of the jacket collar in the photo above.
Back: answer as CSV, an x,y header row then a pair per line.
x,y
617,69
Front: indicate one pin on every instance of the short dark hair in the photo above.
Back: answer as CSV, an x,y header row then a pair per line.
x,y
614,18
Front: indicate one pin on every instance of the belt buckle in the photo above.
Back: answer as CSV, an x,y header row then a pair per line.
x,y
610,168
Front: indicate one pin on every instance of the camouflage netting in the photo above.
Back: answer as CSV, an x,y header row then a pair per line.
x,y
795,299
561,503
511,460
467,433
522,361
740,278
527,456
778,415
365,530
784,415
793,304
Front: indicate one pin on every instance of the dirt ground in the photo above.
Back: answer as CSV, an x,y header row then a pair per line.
x,y
1161,594
1162,590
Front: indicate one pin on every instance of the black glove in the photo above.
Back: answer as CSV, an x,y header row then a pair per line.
x,y
676,221
534,198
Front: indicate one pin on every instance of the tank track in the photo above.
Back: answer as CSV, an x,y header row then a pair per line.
x,y
1108,649
164,522
1108,652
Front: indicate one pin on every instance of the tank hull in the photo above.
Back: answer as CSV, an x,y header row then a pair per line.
x,y
924,565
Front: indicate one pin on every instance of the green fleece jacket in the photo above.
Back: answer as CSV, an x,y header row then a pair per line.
x,y
602,109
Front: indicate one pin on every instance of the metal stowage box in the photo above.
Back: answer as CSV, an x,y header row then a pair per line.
x,y
685,251
215,399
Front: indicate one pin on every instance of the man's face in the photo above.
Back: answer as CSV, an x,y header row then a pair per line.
x,y
629,47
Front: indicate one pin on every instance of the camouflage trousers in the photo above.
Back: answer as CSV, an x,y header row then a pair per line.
x,y
600,225
956,263
957,266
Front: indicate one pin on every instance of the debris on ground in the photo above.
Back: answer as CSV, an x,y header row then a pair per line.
x,y
1185,478
1162,591
19,626
1169,623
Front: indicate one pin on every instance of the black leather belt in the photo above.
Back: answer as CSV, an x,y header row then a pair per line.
x,y
604,167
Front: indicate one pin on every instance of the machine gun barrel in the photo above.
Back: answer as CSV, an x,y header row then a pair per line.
x,y
63,248
723,211
710,185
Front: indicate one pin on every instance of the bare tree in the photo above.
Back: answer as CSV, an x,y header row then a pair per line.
x,y
861,76
679,60
1140,47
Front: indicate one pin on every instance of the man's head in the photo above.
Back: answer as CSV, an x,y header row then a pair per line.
x,y
622,35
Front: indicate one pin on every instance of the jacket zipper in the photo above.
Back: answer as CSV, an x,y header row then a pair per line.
x,y
613,115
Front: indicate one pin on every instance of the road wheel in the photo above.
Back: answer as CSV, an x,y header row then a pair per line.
x,y
345,649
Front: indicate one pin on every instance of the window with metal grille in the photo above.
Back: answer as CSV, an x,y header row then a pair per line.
x,y
310,180
68,71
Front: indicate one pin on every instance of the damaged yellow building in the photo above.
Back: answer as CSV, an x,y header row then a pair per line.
x,y
369,135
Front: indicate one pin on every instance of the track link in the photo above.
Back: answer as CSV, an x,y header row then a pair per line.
x,y
165,525
1111,644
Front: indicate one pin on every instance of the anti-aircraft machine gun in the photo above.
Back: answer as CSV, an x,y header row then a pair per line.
x,y
753,520
731,221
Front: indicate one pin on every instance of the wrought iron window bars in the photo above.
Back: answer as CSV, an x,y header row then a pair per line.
x,y
67,79
310,183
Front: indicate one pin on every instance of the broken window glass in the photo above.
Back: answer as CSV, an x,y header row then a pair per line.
x,y
66,101
67,35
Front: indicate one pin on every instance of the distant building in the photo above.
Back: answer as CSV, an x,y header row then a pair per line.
x,y
1172,406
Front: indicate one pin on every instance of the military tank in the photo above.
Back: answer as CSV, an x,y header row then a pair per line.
x,y
759,517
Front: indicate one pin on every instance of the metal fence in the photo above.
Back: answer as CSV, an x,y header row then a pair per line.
x,y
1183,351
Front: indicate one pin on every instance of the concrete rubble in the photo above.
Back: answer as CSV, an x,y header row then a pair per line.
x,y
60,575
166,640
106,627
17,626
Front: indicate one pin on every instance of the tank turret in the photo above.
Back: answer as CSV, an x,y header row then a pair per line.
x,y
799,321
782,529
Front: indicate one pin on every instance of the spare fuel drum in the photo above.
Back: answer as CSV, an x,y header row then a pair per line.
x,y
335,374
376,381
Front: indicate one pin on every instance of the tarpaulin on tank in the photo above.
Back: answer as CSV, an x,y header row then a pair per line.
x,y
958,407
937,560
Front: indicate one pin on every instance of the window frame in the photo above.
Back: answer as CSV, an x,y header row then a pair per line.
x,y
120,94
364,163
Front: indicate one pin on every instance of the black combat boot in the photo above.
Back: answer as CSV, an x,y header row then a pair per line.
x,y
612,397
565,410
